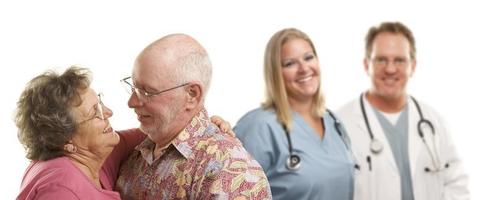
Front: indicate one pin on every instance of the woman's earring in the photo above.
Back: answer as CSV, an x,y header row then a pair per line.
x,y
70,148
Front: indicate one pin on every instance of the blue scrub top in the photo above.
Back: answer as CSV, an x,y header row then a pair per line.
x,y
326,170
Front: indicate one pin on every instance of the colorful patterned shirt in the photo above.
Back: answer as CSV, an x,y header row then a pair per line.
x,y
200,163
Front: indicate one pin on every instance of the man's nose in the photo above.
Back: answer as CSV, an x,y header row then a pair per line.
x,y
390,67
134,101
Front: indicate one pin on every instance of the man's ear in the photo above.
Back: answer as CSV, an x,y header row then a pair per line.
x,y
413,67
194,95
366,65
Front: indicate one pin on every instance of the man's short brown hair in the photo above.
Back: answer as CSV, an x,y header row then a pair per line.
x,y
390,27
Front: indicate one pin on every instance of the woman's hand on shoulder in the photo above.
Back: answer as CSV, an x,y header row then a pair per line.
x,y
222,124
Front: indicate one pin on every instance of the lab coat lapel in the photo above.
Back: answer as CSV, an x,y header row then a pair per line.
x,y
380,136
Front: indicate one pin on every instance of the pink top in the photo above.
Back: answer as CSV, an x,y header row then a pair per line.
x,y
59,178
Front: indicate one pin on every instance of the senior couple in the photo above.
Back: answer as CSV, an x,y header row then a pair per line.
x,y
300,149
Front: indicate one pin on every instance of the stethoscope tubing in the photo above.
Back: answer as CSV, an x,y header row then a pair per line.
x,y
294,161
376,147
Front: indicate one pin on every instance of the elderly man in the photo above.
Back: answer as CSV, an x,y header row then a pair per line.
x,y
402,145
185,156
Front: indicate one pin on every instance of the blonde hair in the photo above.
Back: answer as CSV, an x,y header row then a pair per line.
x,y
276,93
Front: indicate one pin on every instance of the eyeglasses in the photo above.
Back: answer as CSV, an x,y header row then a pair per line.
x,y
141,93
383,61
98,107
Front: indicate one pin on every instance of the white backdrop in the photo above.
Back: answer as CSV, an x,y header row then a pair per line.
x,y
455,42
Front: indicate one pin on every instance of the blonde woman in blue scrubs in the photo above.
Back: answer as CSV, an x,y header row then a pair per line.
x,y
300,145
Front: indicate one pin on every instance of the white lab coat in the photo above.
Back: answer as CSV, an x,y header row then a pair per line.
x,y
383,181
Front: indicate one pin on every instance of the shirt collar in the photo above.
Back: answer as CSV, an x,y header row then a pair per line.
x,y
189,136
185,140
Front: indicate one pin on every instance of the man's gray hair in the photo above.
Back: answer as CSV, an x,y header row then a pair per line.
x,y
194,66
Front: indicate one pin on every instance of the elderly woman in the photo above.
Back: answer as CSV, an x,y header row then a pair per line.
x,y
64,126
301,145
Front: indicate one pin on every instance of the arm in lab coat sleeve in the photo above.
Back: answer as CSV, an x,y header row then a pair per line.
x,y
455,177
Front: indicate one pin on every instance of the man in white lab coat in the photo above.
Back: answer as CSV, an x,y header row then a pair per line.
x,y
402,149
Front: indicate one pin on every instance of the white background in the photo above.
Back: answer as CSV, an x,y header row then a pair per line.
x,y
455,42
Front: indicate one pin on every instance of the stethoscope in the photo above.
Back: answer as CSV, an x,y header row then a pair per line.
x,y
293,162
376,146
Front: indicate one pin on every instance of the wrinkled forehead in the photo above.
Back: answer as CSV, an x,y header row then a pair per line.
x,y
152,67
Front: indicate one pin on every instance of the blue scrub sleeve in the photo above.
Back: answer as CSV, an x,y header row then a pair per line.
x,y
256,136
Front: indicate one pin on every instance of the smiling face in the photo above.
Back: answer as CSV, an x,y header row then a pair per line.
x,y
300,69
159,114
94,133
389,66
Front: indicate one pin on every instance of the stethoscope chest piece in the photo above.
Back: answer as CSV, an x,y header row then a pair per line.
x,y
293,162
376,146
